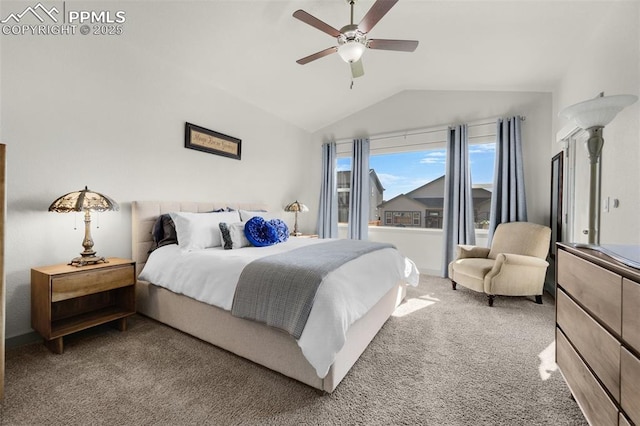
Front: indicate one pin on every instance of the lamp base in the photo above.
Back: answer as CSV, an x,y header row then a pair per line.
x,y
87,260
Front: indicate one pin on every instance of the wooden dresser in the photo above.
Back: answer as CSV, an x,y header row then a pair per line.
x,y
598,334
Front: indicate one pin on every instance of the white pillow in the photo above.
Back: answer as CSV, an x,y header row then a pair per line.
x,y
245,215
232,235
197,231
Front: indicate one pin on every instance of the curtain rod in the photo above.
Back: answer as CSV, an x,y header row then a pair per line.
x,y
423,131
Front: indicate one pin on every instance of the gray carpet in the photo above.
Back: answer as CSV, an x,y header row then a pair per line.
x,y
453,361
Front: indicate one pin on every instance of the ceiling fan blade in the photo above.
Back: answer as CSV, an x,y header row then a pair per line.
x,y
317,55
315,22
357,70
399,45
375,14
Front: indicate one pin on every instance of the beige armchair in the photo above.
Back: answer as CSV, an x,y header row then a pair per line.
x,y
515,264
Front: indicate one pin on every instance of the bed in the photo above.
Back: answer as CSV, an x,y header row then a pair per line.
x,y
259,343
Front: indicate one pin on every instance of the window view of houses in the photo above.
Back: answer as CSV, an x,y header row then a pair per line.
x,y
420,206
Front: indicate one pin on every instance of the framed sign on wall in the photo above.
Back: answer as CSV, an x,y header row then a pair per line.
x,y
201,139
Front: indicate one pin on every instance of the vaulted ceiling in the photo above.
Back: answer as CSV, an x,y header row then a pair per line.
x,y
249,48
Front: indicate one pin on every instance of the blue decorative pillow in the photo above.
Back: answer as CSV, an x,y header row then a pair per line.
x,y
281,228
260,233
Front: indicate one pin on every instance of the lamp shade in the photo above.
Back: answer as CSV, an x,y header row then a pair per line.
x,y
83,200
351,51
296,206
597,112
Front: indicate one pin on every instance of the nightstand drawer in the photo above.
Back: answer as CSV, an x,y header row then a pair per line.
x,y
90,282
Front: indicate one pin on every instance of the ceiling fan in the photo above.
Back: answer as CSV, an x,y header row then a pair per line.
x,y
352,39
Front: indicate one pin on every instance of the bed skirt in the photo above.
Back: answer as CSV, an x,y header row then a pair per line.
x,y
257,342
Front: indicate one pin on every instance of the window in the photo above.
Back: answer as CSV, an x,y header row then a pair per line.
x,y
433,219
482,161
403,219
344,188
407,178
413,183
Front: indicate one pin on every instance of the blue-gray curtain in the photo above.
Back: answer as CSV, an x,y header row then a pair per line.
x,y
458,220
328,211
508,202
359,192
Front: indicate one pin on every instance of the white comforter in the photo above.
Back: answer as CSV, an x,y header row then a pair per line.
x,y
343,297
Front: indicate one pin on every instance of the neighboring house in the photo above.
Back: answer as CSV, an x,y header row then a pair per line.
x,y
423,207
344,188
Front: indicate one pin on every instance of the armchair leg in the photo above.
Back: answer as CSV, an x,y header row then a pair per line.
x,y
491,297
453,284
539,299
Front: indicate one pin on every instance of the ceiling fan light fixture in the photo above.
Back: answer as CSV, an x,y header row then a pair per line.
x,y
352,38
351,51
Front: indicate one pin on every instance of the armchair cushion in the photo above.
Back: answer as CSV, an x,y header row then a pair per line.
x,y
470,272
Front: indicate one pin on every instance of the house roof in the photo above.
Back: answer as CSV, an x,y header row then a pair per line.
x,y
404,198
435,200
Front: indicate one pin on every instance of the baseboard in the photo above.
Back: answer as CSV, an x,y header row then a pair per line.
x,y
23,339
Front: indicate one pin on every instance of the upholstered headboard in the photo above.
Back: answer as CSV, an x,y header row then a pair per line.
x,y
145,213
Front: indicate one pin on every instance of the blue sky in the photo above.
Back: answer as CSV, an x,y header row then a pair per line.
x,y
403,172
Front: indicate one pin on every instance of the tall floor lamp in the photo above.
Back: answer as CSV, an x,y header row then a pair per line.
x,y
592,116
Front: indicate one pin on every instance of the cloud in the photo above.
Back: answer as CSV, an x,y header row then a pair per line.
x,y
434,157
485,148
429,160
389,179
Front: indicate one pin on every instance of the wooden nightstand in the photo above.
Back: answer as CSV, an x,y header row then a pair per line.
x,y
306,236
66,299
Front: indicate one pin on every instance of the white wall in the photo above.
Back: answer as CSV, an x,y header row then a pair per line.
x,y
608,61
422,246
100,112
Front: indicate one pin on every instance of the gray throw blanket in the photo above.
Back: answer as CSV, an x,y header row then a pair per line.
x,y
279,290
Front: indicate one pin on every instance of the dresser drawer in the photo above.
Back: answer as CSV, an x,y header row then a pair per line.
x,y
630,385
92,281
590,396
596,288
596,345
631,313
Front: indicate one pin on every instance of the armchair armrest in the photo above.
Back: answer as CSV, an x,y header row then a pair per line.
x,y
516,275
466,251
